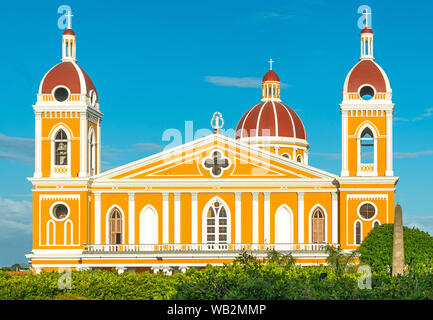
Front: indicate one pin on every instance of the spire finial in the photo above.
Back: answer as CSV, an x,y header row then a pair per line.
x,y
217,122
366,13
270,63
69,20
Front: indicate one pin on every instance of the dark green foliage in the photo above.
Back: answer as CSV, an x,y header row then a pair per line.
x,y
248,278
376,249
340,260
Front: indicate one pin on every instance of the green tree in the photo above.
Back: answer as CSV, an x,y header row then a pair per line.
x,y
340,260
376,249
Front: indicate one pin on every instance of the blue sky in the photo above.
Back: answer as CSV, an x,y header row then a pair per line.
x,y
158,64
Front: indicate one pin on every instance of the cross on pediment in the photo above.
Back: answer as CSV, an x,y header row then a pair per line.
x,y
216,163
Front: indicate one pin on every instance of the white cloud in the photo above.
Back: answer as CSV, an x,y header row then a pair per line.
x,y
238,82
15,218
247,82
427,114
17,149
404,155
424,223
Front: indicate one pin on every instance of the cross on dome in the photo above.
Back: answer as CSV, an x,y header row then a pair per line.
x,y
69,19
270,64
366,13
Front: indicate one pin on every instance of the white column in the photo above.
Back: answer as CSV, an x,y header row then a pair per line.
x,y
344,171
97,218
301,238
255,217
334,218
194,224
306,157
131,217
238,218
98,147
267,217
38,145
83,144
177,218
165,222
389,170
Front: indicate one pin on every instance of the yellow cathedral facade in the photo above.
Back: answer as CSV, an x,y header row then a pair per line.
x,y
206,201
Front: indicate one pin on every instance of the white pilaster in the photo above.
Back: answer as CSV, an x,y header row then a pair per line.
x,y
165,222
334,217
267,217
344,142
131,217
238,218
389,170
97,218
255,217
83,144
177,218
194,224
38,145
98,147
301,238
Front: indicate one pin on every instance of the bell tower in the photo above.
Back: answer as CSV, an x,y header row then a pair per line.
x,y
67,119
367,111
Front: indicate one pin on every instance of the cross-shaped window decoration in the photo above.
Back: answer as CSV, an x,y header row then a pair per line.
x,y
216,163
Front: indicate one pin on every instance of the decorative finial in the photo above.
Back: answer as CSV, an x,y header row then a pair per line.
x,y
270,64
366,13
69,19
217,122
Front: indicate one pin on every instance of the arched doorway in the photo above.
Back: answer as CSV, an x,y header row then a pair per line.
x,y
148,226
283,226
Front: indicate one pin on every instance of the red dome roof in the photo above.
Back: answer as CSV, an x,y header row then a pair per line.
x,y
366,72
367,30
69,31
271,76
270,118
68,74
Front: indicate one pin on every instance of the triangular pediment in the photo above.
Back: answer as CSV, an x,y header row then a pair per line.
x,y
214,157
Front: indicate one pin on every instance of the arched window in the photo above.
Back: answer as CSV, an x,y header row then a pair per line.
x,y
376,223
216,223
367,146
61,148
299,158
286,155
318,226
115,227
358,231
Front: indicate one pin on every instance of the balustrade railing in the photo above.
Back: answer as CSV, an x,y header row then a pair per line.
x,y
204,247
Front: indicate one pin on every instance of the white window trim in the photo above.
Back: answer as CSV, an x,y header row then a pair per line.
x,y
204,220
155,224
310,223
284,206
375,135
107,225
53,151
52,213
367,202
354,232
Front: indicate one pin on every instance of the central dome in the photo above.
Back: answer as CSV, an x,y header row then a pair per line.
x,y
270,119
273,126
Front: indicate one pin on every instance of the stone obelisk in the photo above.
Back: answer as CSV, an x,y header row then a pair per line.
x,y
398,245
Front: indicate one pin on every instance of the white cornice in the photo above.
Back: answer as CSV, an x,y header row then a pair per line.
x,y
368,180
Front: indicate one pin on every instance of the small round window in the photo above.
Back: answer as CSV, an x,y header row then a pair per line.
x,y
60,211
366,93
61,94
367,211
